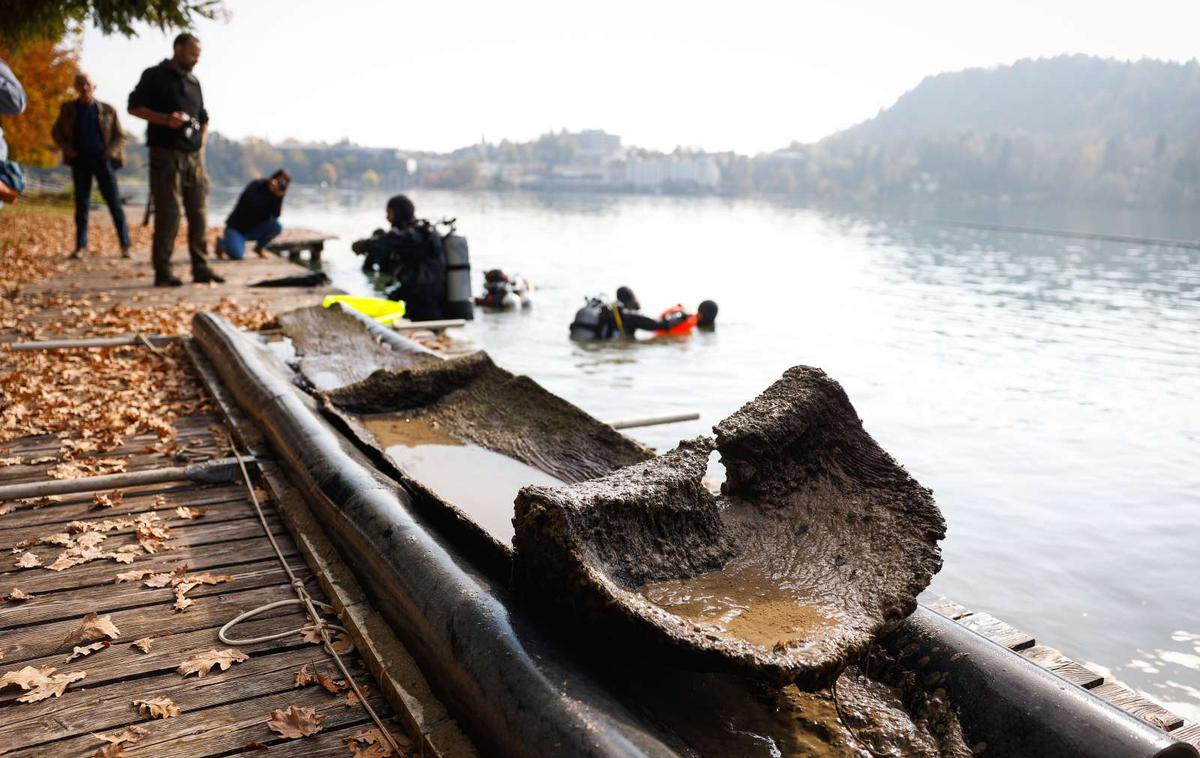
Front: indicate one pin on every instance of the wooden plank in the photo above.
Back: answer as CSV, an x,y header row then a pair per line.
x,y
948,608
1136,705
221,512
26,643
332,743
108,705
82,507
997,631
215,557
1057,663
1188,732
223,729
108,598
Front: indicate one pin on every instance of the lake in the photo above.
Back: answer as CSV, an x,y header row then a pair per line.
x,y
1046,389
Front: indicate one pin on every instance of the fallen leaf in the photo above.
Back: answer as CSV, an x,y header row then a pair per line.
x,y
207,578
157,707
332,687
39,682
117,742
62,539
200,663
341,643
93,628
188,512
295,722
182,602
17,596
304,677
131,576
80,652
90,539
107,499
370,742
143,644
158,580
7,508
28,561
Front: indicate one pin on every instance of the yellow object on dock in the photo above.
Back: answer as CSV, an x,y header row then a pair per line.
x,y
379,308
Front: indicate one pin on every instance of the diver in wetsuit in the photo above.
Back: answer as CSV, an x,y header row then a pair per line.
x,y
411,251
598,321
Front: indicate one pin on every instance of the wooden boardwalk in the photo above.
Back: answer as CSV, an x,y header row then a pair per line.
x,y
1072,671
225,712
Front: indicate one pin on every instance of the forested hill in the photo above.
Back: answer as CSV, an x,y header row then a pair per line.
x,y
1055,97
1070,129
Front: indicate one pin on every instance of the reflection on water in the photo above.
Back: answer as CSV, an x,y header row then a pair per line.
x,y
481,482
1045,388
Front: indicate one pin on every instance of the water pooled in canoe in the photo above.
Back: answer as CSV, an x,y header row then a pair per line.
x,y
481,482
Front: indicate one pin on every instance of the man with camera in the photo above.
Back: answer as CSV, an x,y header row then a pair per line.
x,y
168,97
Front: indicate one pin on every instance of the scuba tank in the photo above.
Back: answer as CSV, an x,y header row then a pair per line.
x,y
592,321
458,275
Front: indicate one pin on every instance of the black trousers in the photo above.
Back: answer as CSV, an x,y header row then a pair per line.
x,y
83,170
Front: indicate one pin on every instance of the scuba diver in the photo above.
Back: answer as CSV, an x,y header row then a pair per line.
x,y
411,251
600,321
504,292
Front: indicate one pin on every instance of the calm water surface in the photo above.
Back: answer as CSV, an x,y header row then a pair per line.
x,y
1045,389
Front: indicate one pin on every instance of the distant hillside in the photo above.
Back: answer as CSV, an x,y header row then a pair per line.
x,y
1069,129
1056,97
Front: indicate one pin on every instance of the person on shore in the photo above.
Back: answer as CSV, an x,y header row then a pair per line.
x,y
89,134
411,251
168,97
255,217
12,103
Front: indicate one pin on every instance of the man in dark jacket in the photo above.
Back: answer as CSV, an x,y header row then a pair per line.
x,y
12,103
255,217
169,98
411,251
89,134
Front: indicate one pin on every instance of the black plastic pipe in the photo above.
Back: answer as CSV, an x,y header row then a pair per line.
x,y
1018,708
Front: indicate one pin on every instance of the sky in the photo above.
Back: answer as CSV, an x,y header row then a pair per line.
x,y
748,76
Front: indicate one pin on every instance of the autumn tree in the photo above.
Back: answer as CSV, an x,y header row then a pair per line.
x,y
24,21
327,173
46,70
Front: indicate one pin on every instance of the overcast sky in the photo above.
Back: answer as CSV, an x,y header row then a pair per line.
x,y
749,76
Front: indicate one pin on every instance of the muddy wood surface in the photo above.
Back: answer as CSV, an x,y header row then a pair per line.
x,y
207,529
818,540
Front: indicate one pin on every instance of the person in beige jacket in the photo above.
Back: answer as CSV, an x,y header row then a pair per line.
x,y
89,134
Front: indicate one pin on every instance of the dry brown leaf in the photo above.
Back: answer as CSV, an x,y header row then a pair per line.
x,y
80,652
295,722
331,686
157,707
200,663
93,628
304,677
90,539
159,580
207,578
182,602
188,512
7,508
107,499
62,539
341,643
370,743
143,644
17,596
117,742
28,561
39,682
130,576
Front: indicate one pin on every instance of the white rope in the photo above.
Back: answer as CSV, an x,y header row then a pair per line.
x,y
303,598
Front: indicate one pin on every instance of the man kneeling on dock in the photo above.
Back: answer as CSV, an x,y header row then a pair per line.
x,y
255,217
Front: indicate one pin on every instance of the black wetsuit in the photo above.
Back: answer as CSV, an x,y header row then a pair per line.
x,y
415,257
600,322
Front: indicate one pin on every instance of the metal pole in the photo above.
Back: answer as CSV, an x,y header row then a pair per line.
x,y
211,472
158,340
434,326
633,423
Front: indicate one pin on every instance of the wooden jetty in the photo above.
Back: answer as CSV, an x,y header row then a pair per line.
x,y
225,712
293,242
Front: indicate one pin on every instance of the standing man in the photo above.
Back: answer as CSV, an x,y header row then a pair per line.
x,y
169,98
12,103
89,134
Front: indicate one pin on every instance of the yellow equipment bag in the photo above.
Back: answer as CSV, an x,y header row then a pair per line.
x,y
379,308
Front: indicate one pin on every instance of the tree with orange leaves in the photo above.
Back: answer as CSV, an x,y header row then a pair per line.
x,y
46,70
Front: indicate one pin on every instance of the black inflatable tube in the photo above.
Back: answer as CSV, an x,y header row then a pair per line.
x,y
1018,708
510,687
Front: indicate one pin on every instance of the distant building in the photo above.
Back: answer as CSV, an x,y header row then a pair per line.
x,y
596,145
700,171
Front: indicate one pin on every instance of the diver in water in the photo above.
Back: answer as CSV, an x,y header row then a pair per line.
x,y
598,321
411,251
